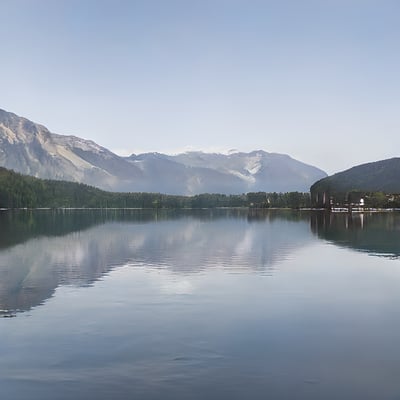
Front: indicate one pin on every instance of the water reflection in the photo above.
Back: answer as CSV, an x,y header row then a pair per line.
x,y
208,305
374,233
43,250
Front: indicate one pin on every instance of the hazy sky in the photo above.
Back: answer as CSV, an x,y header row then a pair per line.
x,y
318,80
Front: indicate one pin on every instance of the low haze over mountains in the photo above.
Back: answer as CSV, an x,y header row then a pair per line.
x,y
32,149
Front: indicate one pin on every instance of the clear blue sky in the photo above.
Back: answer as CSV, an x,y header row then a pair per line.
x,y
318,80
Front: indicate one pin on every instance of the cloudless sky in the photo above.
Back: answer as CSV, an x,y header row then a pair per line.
x,y
315,79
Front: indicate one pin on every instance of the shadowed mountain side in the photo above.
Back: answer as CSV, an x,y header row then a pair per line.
x,y
169,176
260,170
376,233
30,272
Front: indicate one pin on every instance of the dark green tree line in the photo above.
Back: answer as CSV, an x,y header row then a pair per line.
x,y
21,191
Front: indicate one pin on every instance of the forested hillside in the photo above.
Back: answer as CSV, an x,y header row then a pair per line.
x,y
21,191
374,177
377,181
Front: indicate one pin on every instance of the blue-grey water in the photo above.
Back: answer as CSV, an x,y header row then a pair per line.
x,y
213,304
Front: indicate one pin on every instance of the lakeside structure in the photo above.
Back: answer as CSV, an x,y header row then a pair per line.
x,y
355,201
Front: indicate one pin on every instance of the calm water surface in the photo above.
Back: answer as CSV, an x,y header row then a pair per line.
x,y
199,305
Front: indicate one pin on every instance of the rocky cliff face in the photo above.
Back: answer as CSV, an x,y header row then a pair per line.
x,y
32,149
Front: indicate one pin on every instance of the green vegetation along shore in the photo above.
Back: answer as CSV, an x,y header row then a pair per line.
x,y
22,191
374,185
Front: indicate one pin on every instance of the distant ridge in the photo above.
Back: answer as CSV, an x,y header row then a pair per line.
x,y
30,148
374,182
375,176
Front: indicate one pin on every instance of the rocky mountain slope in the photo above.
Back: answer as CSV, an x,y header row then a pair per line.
x,y
30,148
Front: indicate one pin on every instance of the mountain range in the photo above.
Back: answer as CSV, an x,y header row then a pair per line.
x,y
30,148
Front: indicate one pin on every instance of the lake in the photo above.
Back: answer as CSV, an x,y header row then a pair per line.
x,y
208,304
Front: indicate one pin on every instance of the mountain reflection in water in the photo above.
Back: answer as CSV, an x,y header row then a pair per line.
x,y
212,304
42,250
